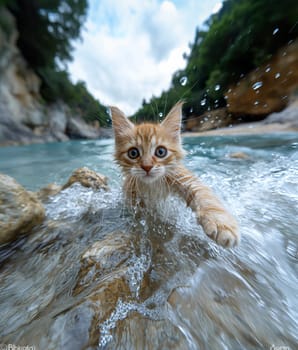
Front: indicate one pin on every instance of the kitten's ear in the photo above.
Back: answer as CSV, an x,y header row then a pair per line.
x,y
121,125
173,121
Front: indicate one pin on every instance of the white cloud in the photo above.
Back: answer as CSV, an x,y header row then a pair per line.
x,y
131,48
217,7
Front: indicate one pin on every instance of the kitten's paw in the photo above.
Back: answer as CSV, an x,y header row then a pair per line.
x,y
223,231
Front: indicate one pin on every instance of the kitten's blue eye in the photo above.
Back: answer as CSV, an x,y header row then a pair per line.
x,y
161,152
133,153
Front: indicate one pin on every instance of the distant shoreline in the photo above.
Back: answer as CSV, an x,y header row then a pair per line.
x,y
245,129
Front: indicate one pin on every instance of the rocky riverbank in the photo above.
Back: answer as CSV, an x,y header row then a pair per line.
x,y
24,116
23,210
284,121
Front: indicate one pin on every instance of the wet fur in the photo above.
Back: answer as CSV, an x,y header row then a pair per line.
x,y
167,175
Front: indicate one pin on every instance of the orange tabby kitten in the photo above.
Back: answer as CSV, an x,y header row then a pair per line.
x,y
150,156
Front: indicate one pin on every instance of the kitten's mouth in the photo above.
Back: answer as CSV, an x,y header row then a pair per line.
x,y
149,177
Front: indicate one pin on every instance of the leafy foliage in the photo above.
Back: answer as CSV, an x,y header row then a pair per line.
x,y
240,37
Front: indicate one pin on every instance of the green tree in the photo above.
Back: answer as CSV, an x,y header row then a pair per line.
x,y
47,28
237,39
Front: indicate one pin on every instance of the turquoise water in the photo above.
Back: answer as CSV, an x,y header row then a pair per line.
x,y
198,295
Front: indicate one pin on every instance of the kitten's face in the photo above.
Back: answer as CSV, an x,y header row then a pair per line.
x,y
147,151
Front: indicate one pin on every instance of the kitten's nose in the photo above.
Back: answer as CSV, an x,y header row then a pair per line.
x,y
147,168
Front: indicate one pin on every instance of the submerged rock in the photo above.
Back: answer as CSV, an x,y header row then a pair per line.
x,y
238,155
50,190
87,178
106,274
20,210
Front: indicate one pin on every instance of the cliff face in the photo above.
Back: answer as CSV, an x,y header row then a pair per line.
x,y
268,89
24,118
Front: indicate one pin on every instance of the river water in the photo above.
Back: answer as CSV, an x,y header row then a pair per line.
x,y
92,277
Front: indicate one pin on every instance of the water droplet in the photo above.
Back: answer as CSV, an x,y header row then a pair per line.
x,y
183,81
217,87
267,69
191,110
277,75
203,102
160,115
276,30
256,103
257,85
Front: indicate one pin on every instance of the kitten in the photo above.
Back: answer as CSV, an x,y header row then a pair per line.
x,y
150,156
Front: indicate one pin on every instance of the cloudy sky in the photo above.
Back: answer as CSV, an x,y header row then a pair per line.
x,y
131,48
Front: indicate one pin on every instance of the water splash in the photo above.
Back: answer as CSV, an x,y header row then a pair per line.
x,y
275,31
257,85
203,102
228,289
183,81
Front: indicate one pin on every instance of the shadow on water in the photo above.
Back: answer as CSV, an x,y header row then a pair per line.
x,y
93,277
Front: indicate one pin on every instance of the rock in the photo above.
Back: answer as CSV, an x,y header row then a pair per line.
x,y
85,176
11,132
239,155
50,190
20,109
88,178
106,266
266,89
23,117
78,129
57,115
288,115
20,210
103,257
